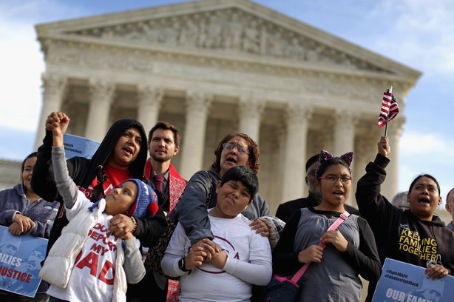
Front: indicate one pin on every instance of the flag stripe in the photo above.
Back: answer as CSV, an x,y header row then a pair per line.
x,y
389,108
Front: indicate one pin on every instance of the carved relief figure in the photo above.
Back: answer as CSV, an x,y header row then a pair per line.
x,y
189,33
150,34
134,32
295,51
170,34
108,33
231,30
213,31
345,60
277,44
263,39
312,55
326,55
232,33
251,41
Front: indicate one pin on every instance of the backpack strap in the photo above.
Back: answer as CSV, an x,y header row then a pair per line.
x,y
334,226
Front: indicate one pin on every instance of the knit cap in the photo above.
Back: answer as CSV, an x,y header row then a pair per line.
x,y
146,204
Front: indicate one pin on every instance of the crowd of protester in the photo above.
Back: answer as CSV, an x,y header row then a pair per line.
x,y
103,217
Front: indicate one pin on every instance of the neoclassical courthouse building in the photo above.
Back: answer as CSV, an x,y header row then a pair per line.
x,y
211,67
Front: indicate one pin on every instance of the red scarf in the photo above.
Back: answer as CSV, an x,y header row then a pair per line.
x,y
115,176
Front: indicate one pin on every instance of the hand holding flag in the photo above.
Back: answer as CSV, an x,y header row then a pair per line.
x,y
389,109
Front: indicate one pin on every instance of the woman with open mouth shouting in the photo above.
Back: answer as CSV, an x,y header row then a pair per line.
x,y
234,149
415,236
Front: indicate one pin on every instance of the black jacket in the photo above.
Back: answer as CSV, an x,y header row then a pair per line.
x,y
399,234
83,171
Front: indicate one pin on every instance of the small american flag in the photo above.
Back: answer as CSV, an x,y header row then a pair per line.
x,y
389,108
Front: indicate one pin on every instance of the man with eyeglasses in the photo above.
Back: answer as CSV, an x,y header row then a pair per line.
x,y
286,209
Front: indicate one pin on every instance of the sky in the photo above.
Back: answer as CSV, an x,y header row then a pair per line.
x,y
411,32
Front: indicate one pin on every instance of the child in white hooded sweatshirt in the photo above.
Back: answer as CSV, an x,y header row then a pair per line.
x,y
87,262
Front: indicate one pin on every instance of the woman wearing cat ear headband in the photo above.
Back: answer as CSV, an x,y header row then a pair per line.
x,y
339,256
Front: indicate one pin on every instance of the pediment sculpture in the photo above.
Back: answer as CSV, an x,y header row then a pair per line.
x,y
229,30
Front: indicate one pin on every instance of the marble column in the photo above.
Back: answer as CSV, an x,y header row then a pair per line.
x,y
197,107
391,185
295,151
366,149
344,132
150,99
54,88
280,134
250,112
101,95
344,139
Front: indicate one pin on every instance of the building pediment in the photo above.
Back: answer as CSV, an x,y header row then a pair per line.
x,y
237,27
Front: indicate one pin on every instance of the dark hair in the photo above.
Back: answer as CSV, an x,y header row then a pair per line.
x,y
104,151
424,175
33,154
313,159
447,196
332,161
165,126
254,152
246,175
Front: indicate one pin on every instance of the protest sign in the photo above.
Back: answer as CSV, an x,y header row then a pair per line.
x,y
405,282
20,262
79,146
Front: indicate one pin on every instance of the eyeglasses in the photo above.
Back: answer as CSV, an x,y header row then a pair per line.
x,y
333,179
240,148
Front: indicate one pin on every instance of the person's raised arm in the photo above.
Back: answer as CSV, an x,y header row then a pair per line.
x,y
58,123
383,146
374,207
43,183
